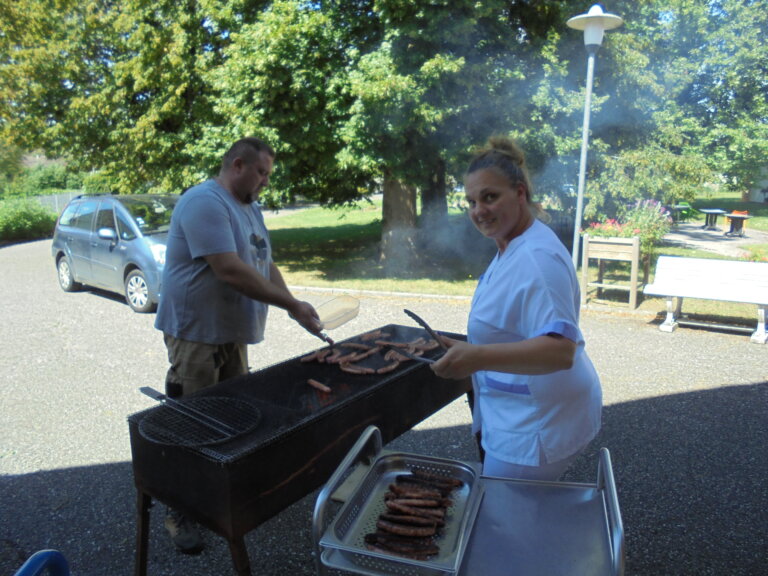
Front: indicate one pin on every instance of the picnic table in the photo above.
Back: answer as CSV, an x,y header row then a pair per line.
x,y
737,224
710,220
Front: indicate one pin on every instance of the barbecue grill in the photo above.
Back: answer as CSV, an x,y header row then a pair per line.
x,y
281,439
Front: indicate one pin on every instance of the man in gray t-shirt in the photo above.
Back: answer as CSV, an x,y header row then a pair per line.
x,y
218,282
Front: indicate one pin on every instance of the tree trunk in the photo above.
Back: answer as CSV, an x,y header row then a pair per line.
x,y
435,235
398,226
434,202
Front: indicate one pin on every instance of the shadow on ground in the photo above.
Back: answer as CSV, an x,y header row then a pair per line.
x,y
690,472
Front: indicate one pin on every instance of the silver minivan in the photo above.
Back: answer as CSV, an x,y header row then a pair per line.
x,y
116,243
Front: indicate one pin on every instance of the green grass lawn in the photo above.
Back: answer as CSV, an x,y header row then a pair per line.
x,y
339,248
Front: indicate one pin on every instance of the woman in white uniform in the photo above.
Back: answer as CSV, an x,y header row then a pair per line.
x,y
537,396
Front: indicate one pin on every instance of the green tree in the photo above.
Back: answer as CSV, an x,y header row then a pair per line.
x,y
445,77
681,102
10,165
284,78
116,88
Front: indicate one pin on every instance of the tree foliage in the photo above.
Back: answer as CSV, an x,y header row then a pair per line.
x,y
687,111
146,95
285,79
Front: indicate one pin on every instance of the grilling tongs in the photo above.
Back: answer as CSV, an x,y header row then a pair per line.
x,y
426,327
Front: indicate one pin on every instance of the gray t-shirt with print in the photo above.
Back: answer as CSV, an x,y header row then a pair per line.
x,y
194,304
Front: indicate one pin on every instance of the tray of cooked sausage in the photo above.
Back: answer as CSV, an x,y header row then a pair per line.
x,y
410,514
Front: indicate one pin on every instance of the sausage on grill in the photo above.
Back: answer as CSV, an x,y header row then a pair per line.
x,y
319,385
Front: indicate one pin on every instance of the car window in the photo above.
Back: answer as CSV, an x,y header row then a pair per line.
x,y
85,214
104,217
152,215
124,228
69,214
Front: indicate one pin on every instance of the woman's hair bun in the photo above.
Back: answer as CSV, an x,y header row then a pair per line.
x,y
503,145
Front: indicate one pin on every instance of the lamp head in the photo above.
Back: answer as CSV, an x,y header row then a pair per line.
x,y
594,23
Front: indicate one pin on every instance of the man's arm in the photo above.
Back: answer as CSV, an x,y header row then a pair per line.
x,y
229,268
276,277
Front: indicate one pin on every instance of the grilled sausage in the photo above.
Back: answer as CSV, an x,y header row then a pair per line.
x,y
444,487
417,502
352,369
447,480
323,354
393,355
410,520
357,346
390,344
309,357
414,491
428,345
418,548
398,508
405,530
347,358
361,355
319,385
388,368
333,358
368,336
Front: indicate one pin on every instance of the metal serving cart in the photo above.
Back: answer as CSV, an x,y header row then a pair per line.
x,y
526,528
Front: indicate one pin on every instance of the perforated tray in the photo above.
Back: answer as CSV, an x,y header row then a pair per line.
x,y
343,542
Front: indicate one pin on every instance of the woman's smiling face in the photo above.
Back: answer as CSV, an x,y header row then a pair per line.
x,y
497,208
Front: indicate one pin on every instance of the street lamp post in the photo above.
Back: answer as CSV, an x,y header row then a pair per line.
x,y
594,24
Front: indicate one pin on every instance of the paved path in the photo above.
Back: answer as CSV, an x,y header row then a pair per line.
x,y
694,236
684,419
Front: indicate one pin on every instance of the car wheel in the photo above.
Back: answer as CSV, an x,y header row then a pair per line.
x,y
66,279
137,293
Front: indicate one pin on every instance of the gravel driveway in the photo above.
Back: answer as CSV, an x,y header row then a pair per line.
x,y
685,419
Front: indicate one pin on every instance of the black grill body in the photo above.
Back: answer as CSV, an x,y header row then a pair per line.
x,y
232,487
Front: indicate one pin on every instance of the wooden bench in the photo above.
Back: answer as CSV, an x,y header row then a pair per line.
x,y
725,280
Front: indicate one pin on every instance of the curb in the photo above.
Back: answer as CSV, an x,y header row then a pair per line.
x,y
378,293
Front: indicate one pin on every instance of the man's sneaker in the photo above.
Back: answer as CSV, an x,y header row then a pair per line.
x,y
184,533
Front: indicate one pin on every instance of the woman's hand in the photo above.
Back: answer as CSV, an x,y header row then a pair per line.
x,y
539,355
458,362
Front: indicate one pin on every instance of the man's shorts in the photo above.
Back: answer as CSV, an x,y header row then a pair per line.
x,y
195,365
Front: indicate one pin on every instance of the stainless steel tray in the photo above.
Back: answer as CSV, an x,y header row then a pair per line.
x,y
342,545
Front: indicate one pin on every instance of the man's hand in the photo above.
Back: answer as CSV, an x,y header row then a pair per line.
x,y
306,315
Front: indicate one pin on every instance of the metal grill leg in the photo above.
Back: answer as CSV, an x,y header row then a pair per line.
x,y
240,557
143,504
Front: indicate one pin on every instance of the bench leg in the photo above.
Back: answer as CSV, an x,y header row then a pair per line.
x,y
760,336
669,323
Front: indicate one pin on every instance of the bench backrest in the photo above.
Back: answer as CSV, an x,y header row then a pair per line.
x,y
728,280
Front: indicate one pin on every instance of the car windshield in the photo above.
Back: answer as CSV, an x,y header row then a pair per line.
x,y
152,213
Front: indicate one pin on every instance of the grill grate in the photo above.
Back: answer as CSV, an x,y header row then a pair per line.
x,y
168,426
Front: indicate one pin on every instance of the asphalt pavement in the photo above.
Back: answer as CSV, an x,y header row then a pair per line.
x,y
685,420
694,235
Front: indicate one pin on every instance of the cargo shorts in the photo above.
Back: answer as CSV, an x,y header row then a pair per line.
x,y
195,365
